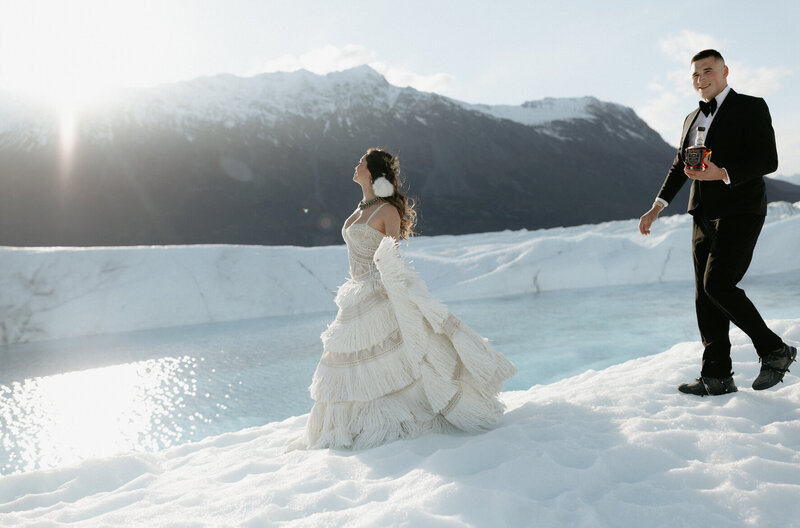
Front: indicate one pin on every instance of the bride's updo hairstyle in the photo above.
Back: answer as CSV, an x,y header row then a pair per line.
x,y
382,163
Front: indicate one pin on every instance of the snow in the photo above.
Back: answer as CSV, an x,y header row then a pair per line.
x,y
267,98
227,100
617,447
58,293
535,113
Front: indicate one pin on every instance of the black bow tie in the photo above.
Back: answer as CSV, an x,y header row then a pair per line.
x,y
708,107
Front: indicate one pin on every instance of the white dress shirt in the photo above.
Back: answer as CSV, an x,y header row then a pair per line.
x,y
703,120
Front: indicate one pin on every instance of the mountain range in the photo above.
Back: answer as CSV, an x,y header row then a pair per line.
x,y
269,160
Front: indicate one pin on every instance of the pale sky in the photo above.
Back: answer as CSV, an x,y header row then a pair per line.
x,y
635,53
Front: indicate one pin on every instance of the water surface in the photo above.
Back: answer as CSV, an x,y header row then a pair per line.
x,y
68,400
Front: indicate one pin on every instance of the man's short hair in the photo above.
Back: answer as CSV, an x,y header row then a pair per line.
x,y
706,54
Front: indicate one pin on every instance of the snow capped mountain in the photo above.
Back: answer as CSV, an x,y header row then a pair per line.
x,y
222,99
268,160
266,99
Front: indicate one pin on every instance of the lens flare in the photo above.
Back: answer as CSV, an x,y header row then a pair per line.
x,y
67,135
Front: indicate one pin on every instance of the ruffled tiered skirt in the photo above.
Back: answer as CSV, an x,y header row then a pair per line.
x,y
396,363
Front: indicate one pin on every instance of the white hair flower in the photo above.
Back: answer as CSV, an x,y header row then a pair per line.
x,y
382,187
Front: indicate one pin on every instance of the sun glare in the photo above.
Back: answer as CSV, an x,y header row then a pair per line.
x,y
66,139
47,53
72,53
70,417
70,57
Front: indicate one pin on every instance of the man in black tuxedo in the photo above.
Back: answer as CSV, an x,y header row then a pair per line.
x,y
729,204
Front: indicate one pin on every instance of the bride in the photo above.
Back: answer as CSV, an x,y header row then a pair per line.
x,y
396,363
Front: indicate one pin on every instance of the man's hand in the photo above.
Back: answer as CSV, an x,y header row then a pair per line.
x,y
711,173
648,218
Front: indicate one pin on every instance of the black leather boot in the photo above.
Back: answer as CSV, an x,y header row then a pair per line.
x,y
704,386
773,366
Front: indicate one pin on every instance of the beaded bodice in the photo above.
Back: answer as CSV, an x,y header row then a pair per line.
x,y
362,240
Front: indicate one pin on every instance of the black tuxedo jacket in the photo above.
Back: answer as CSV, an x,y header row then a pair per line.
x,y
742,141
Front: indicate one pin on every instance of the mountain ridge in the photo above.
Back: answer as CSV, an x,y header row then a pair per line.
x,y
267,160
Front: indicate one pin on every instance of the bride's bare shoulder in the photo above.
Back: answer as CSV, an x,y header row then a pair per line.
x,y
387,220
389,211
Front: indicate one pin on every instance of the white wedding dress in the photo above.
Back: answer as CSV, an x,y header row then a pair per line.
x,y
396,363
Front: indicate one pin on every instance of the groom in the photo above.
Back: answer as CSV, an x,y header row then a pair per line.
x,y
728,203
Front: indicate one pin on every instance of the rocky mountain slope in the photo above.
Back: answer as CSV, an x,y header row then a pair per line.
x,y
269,160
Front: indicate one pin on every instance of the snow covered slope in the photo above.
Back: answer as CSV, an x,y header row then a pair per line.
x,y
56,293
